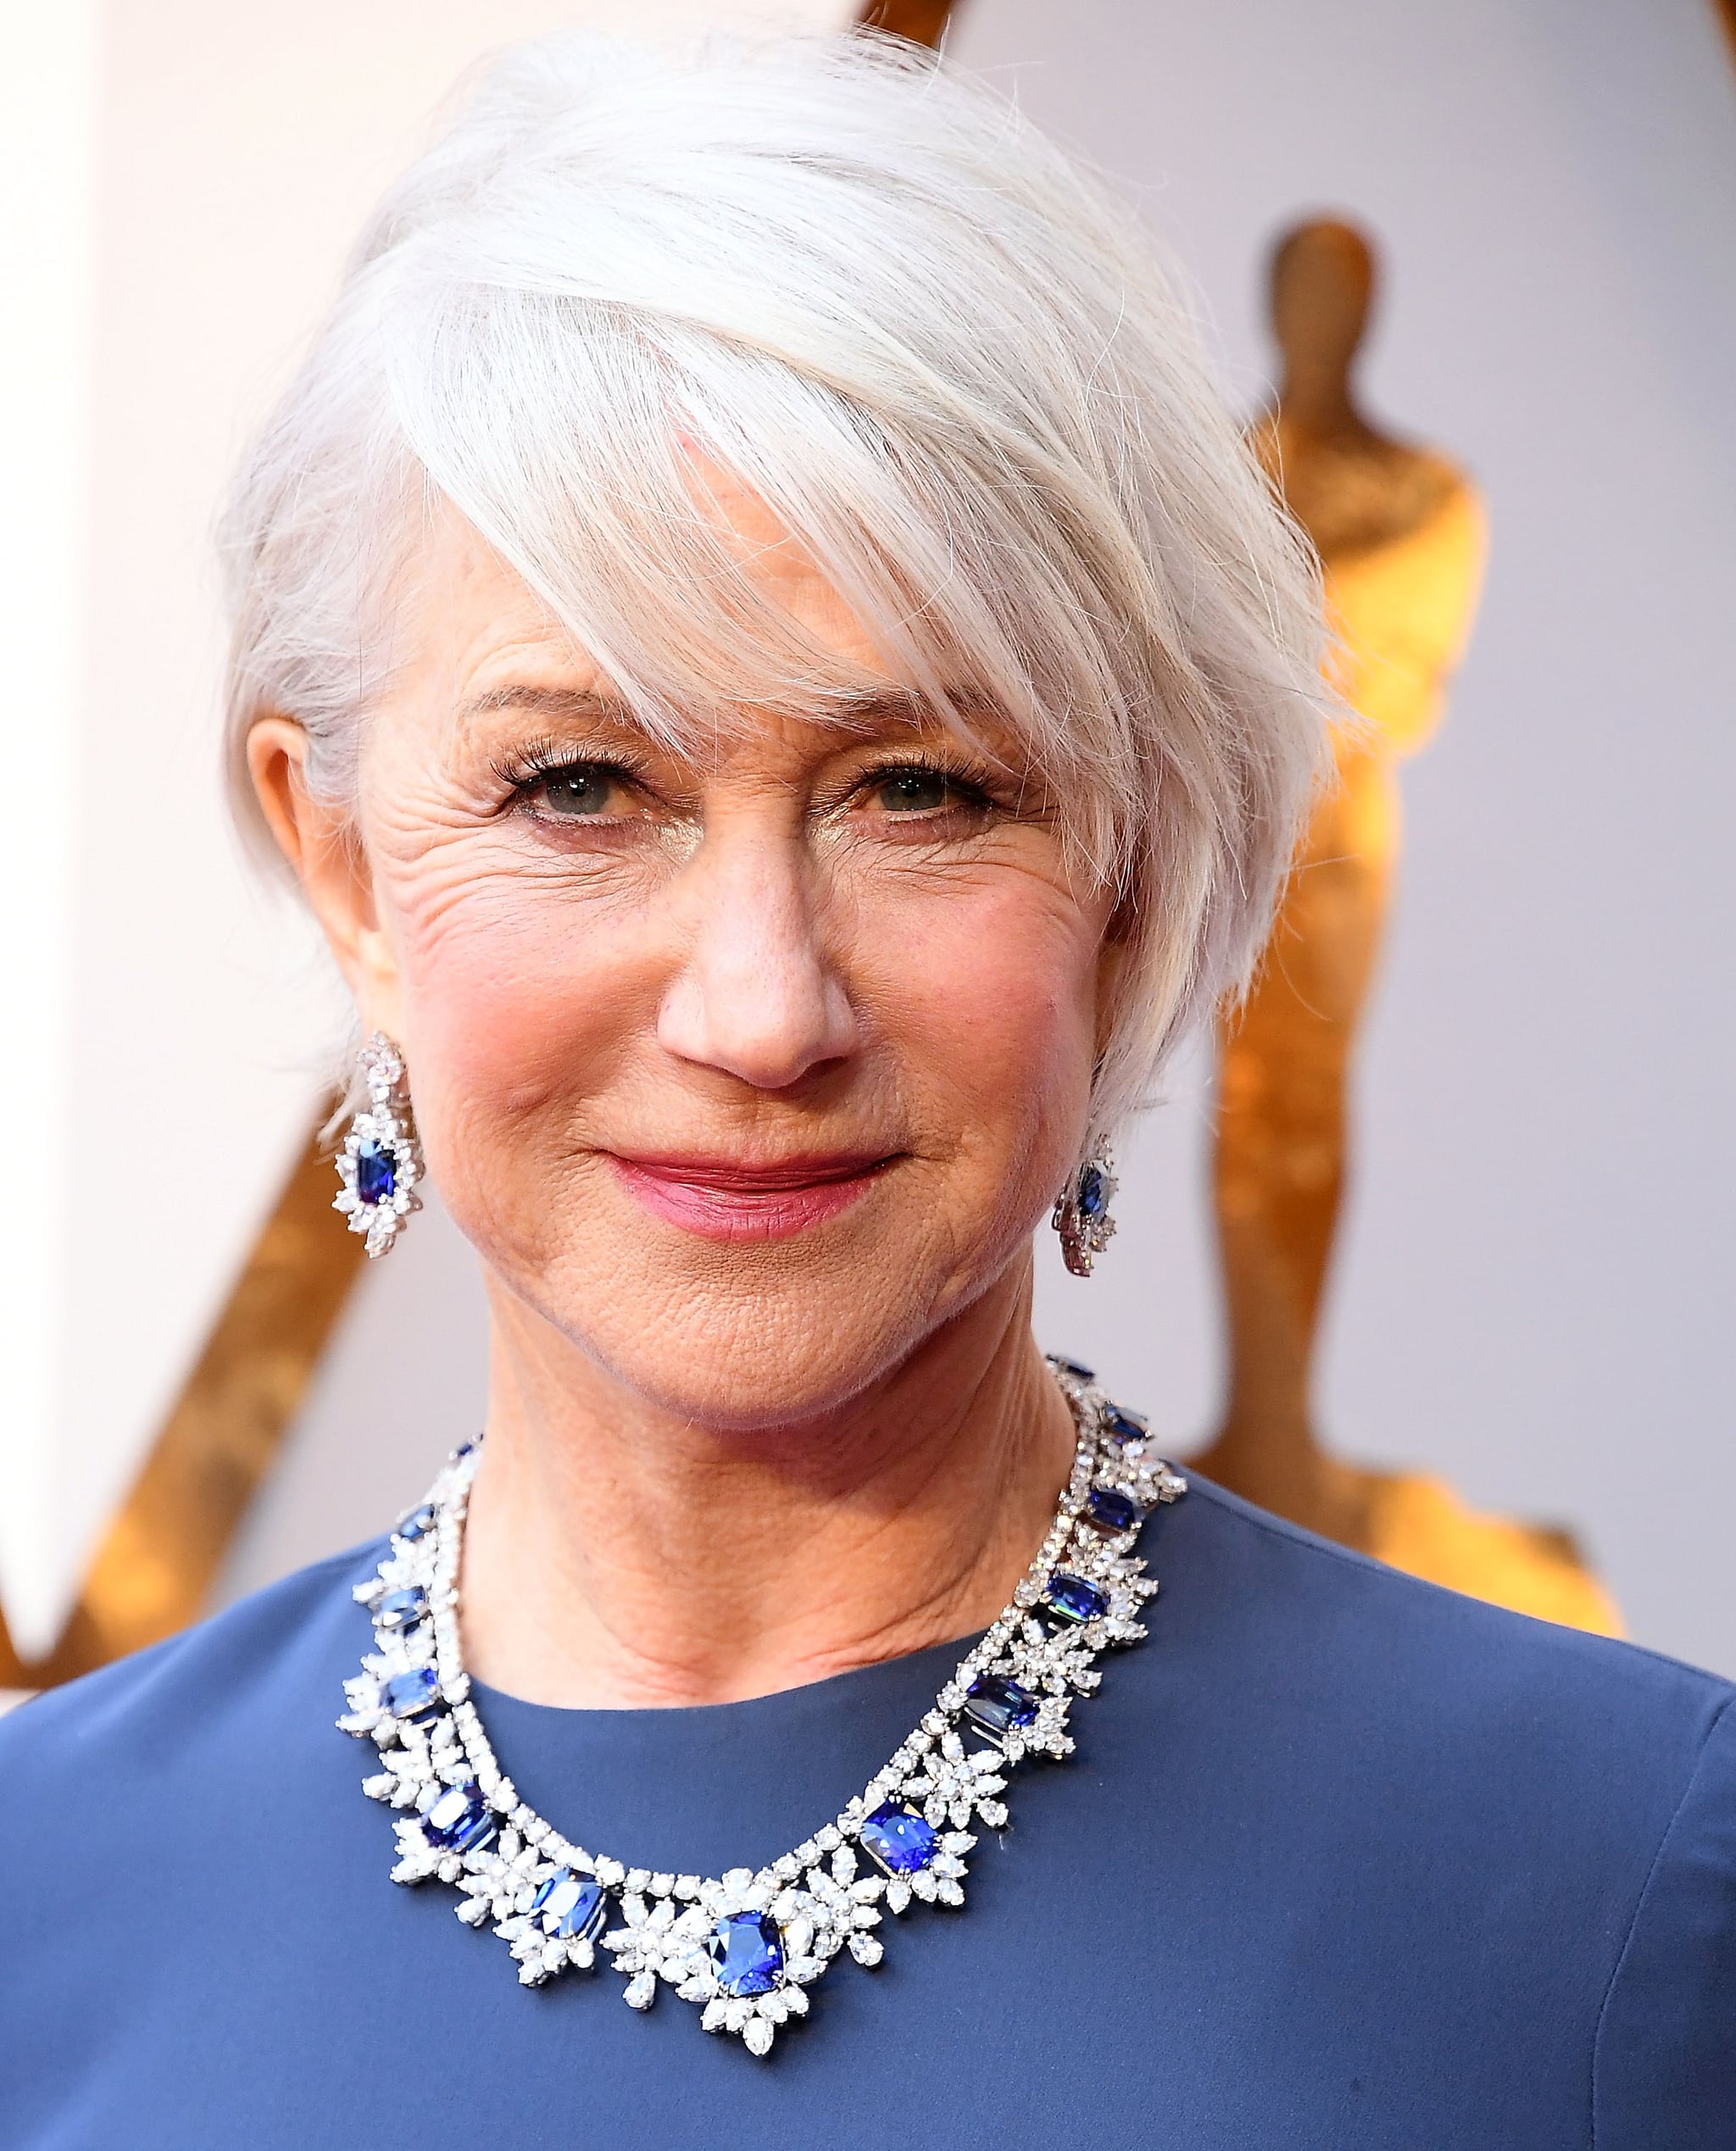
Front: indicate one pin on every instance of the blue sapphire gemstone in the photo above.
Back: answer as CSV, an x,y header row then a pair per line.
x,y
570,1908
746,1950
417,1524
1108,1510
376,1171
459,1820
401,1609
1070,1601
1091,1198
998,1705
899,1840
1074,1367
407,1695
1123,1425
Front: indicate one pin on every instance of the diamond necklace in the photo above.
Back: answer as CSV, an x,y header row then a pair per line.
x,y
746,1947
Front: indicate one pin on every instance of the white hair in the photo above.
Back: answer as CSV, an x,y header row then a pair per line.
x,y
946,360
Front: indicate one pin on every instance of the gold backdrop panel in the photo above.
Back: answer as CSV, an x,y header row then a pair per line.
x,y
923,22
1400,534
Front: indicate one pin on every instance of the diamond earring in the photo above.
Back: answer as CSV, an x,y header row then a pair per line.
x,y
380,1161
1082,1213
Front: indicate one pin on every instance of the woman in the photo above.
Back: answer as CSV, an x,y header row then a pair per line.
x,y
765,655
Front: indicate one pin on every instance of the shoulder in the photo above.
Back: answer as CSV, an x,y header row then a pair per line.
x,y
159,1818
181,1697
1445,1670
1495,1790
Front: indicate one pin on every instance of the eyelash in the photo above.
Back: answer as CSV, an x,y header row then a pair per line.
x,y
519,775
973,781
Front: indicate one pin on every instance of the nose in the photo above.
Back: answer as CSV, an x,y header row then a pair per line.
x,y
756,995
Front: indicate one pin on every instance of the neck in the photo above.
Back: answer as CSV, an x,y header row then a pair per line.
x,y
617,1555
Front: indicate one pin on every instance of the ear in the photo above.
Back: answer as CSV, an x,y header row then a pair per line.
x,y
326,853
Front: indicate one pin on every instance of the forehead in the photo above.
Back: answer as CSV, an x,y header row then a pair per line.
x,y
486,659
470,616
482,654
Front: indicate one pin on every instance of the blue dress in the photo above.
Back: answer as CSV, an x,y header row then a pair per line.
x,y
1343,1860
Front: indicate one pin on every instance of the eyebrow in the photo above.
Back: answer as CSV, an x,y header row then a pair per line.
x,y
871,706
582,703
861,711
864,706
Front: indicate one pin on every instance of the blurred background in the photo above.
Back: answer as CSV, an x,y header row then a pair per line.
x,y
1530,1292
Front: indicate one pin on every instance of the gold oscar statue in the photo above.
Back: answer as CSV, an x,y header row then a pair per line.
x,y
1399,532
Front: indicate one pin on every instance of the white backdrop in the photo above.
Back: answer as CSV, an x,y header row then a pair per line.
x,y
1537,1259
179,184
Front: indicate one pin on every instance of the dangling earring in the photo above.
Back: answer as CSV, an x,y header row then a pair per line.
x,y
1082,1213
380,1161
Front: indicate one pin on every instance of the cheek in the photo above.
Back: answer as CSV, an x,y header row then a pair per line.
x,y
991,1002
516,997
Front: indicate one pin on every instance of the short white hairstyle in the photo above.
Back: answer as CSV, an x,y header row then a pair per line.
x,y
946,360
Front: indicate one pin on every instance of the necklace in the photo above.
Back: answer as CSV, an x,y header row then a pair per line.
x,y
745,1947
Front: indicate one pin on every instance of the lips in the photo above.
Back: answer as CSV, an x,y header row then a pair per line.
x,y
721,1198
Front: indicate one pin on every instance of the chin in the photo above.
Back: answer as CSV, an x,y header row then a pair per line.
x,y
751,1340
756,1385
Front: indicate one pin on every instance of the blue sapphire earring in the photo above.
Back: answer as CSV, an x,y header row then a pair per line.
x,y
1081,1214
379,1163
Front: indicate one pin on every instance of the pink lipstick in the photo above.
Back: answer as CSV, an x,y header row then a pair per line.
x,y
722,1198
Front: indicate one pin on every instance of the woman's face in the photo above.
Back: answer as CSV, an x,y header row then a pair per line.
x,y
744,1072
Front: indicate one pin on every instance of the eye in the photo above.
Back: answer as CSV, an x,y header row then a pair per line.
x,y
577,789
915,790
